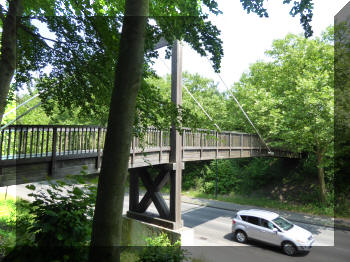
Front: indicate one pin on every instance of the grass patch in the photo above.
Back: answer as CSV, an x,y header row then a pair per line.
x,y
12,212
265,202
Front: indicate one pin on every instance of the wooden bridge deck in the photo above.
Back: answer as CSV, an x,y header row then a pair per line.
x,y
32,152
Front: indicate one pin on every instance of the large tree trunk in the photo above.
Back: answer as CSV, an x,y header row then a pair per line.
x,y
321,180
106,232
8,52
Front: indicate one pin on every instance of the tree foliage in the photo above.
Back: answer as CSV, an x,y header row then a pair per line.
x,y
342,109
291,98
83,52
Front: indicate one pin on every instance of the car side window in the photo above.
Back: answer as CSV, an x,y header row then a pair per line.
x,y
266,224
244,218
253,220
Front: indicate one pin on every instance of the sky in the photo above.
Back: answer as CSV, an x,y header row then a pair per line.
x,y
246,37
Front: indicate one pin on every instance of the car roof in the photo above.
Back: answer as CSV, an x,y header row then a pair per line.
x,y
268,215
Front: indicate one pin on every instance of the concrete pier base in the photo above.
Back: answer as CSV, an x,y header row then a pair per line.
x,y
135,232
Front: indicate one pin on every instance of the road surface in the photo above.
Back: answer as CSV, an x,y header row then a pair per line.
x,y
213,239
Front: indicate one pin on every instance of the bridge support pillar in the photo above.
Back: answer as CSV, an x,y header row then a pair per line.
x,y
169,216
175,137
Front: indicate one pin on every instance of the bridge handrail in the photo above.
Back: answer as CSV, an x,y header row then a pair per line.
x,y
30,141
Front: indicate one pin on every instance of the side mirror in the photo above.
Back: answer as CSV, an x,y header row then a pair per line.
x,y
275,230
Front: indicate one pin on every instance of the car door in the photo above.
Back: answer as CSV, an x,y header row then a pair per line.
x,y
267,233
253,227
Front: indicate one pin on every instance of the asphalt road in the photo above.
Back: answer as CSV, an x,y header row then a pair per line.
x,y
213,239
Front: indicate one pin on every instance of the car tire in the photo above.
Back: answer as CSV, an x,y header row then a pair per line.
x,y
289,248
241,236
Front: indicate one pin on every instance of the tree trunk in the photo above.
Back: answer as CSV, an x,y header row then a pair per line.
x,y
321,181
107,223
8,52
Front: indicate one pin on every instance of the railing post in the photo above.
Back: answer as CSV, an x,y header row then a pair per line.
x,y
251,145
53,150
201,146
2,139
229,144
160,146
133,142
98,160
241,145
20,143
217,144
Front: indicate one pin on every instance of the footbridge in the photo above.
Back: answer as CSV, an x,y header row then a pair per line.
x,y
31,153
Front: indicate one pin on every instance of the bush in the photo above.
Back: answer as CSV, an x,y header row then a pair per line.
x,y
160,249
61,222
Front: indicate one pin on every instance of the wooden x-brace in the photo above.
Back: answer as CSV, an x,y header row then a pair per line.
x,y
152,194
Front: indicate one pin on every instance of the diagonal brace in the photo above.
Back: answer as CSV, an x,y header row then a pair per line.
x,y
153,194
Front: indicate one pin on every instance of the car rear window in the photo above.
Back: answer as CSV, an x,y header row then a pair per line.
x,y
244,218
253,220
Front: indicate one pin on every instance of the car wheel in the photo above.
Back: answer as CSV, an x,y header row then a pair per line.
x,y
240,236
289,248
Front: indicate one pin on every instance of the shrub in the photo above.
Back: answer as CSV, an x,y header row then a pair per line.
x,y
160,249
61,221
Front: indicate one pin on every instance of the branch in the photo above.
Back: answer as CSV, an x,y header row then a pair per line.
x,y
27,30
39,37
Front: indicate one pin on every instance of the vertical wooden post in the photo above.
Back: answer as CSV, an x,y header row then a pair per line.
x,y
42,141
9,144
134,190
217,145
25,142
134,139
20,142
31,142
201,145
53,157
229,144
241,145
47,140
251,145
98,160
2,139
14,144
37,141
160,146
175,138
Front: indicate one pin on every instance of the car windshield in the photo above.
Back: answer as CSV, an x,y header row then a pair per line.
x,y
284,224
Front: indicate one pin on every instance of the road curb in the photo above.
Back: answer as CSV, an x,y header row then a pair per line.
x,y
335,226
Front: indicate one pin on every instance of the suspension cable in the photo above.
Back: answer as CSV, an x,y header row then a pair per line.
x,y
244,113
13,109
200,106
26,112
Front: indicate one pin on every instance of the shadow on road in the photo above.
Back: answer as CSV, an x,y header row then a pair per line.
x,y
199,215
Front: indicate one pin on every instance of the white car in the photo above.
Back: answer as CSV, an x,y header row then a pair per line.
x,y
269,227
